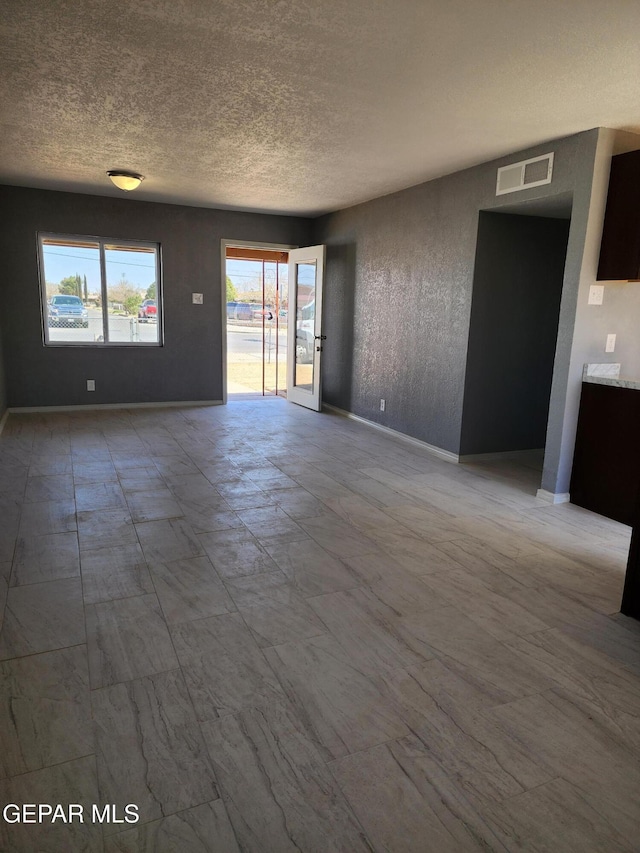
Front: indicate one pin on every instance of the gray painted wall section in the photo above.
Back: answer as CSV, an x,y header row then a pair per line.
x,y
189,365
399,285
3,381
517,288
588,324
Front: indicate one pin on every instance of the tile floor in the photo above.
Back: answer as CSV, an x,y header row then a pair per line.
x,y
274,631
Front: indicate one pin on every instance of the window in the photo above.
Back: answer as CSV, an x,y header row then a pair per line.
x,y
100,292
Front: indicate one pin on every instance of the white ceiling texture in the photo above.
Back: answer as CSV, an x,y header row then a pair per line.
x,y
300,106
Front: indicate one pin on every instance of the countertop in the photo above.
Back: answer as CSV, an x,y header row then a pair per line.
x,y
614,381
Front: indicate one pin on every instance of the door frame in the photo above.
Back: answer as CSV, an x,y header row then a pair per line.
x,y
238,244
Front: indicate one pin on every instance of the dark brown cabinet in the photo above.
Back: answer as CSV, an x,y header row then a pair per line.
x,y
606,461
620,248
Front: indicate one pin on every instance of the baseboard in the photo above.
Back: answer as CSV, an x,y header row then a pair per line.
x,y
393,433
504,454
3,420
26,410
553,497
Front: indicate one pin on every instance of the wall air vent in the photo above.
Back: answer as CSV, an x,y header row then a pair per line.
x,y
527,173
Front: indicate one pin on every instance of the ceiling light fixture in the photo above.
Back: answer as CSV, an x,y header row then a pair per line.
x,y
126,181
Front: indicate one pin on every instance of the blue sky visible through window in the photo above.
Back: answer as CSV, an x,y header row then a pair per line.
x,y
61,261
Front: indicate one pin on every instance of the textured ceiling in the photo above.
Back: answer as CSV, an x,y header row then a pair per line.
x,y
300,106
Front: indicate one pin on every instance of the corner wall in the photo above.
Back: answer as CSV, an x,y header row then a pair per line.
x,y
399,280
189,365
590,324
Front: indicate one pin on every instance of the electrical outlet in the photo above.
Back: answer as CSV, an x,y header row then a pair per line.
x,y
197,298
91,384
596,294
383,405
611,344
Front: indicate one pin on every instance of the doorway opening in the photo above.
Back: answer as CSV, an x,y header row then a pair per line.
x,y
515,311
255,303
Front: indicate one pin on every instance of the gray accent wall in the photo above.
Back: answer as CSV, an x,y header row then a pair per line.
x,y
515,307
399,291
189,365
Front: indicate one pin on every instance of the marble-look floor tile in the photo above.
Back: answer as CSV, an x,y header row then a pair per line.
x,y
201,829
195,487
190,589
581,748
273,610
429,523
53,487
168,540
45,558
474,654
310,569
117,572
99,496
611,638
43,517
601,686
358,512
175,466
393,586
149,747
105,528
46,464
468,706
153,505
271,524
45,716
298,503
344,709
401,808
368,630
552,817
209,515
99,471
42,617
320,485
140,479
460,741
223,667
71,782
336,536
127,638
278,793
411,551
235,553
497,614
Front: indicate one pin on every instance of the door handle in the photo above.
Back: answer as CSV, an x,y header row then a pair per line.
x,y
320,337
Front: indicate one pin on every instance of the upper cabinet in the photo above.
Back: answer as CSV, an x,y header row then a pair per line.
x,y
620,249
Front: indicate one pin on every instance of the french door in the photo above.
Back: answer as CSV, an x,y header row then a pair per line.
x,y
305,338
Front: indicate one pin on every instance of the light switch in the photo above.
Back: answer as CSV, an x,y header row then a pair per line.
x,y
611,343
197,298
596,294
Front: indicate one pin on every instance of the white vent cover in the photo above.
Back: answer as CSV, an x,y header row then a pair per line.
x,y
527,173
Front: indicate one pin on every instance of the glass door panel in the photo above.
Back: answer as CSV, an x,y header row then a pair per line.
x,y
306,270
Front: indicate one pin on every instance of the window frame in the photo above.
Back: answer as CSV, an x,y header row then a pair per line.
x,y
102,243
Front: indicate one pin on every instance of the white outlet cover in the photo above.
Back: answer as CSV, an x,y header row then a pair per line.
x,y
91,384
611,344
197,298
596,294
